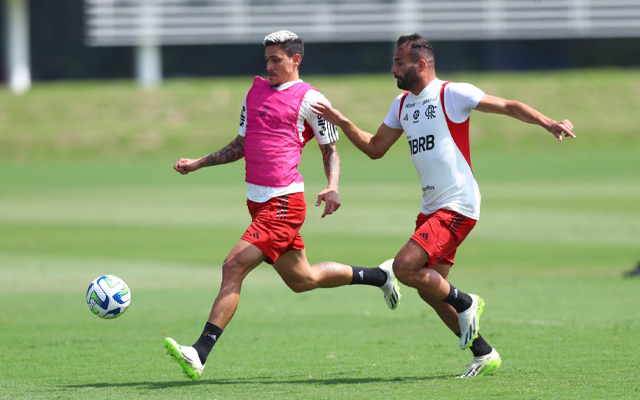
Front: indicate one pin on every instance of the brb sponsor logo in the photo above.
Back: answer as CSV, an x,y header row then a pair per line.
x,y
424,143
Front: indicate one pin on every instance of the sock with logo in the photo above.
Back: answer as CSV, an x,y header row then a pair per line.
x,y
458,300
479,347
206,341
368,276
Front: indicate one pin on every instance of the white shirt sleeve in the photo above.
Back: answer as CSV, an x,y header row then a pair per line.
x,y
325,132
460,99
392,120
243,118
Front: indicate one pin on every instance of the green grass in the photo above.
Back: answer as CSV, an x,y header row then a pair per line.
x,y
560,224
116,119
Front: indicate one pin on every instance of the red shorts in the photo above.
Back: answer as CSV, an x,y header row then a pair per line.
x,y
275,225
440,234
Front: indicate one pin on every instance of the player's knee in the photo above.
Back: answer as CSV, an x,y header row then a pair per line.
x,y
402,271
406,272
306,280
232,270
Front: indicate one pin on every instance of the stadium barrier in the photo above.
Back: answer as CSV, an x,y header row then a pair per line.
x,y
149,24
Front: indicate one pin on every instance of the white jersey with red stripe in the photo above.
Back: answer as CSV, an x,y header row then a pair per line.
x,y
310,125
436,124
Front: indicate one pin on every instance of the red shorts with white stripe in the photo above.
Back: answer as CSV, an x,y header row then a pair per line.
x,y
440,234
276,224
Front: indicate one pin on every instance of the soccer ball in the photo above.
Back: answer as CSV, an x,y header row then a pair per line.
x,y
108,297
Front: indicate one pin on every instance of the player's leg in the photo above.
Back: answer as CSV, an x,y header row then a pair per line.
x,y
445,311
295,270
243,258
485,358
300,276
437,237
409,268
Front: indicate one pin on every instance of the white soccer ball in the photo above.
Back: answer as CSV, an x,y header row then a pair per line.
x,y
108,297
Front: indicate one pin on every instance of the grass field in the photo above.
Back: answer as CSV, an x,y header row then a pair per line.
x,y
560,224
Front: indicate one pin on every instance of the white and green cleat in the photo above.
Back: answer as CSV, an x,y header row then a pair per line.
x,y
391,289
469,321
187,357
483,364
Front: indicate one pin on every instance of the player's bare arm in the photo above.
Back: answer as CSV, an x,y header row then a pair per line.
x,y
525,113
374,146
234,151
331,161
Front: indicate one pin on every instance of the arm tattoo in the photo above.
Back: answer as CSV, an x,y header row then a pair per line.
x,y
331,161
229,153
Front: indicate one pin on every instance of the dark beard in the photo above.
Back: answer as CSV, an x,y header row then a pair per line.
x,y
409,79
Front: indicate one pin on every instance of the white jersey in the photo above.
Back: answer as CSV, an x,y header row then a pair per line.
x,y
436,124
310,124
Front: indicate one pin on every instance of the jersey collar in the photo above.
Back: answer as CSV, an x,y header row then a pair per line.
x,y
427,89
287,85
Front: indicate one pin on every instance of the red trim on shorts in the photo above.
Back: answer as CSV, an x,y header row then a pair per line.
x,y
275,225
441,233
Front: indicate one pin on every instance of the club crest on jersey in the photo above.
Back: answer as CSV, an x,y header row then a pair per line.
x,y
269,117
430,112
263,111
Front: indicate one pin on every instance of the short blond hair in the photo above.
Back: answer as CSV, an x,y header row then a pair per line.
x,y
290,42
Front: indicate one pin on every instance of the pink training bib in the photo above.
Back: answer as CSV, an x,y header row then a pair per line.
x,y
273,145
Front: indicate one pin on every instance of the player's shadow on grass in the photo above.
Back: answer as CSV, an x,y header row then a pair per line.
x,y
258,381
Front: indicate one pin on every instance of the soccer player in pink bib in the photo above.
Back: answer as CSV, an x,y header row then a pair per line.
x,y
434,116
275,124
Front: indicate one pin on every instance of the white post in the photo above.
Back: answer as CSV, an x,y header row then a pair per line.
x,y
148,56
409,18
494,18
580,17
17,43
148,65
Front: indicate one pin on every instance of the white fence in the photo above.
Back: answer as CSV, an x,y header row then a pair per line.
x,y
148,24
131,22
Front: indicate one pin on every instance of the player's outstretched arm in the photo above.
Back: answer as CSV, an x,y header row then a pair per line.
x,y
331,161
375,146
525,113
229,153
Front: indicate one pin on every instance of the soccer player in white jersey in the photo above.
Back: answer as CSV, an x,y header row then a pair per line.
x,y
275,123
434,115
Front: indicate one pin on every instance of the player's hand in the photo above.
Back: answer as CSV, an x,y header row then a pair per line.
x,y
329,113
562,127
331,200
186,165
